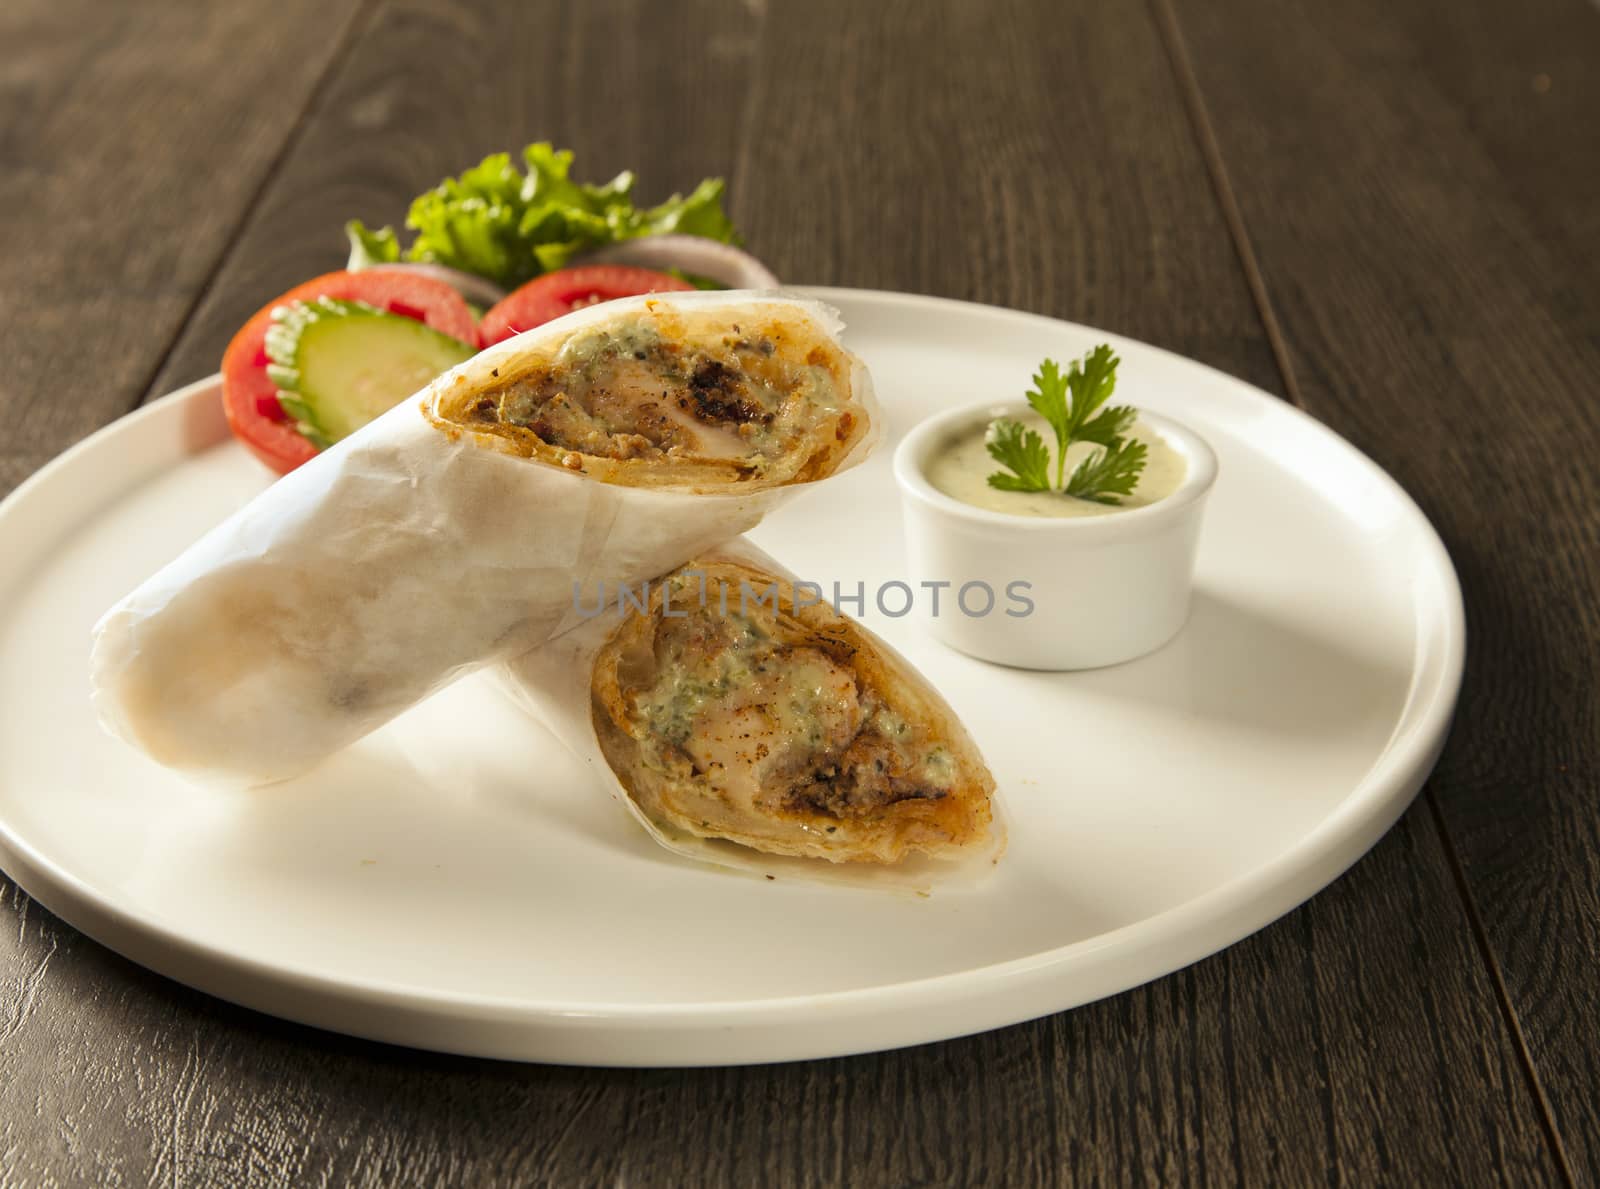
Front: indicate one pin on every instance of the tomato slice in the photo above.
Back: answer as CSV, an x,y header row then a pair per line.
x,y
548,297
250,399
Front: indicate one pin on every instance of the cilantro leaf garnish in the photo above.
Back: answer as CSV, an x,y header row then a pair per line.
x,y
1074,406
1109,472
1092,379
1012,445
1110,425
1048,396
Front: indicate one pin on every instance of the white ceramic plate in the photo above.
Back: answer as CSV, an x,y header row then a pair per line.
x,y
456,882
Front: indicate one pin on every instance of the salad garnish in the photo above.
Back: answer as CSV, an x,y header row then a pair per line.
x,y
509,226
1073,406
325,358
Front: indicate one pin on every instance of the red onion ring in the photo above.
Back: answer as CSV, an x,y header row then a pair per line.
x,y
693,254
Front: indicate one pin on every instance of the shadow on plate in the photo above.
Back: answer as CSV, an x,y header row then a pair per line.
x,y
1249,668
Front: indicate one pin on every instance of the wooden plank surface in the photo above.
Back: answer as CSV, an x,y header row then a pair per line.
x,y
133,139
415,102
1017,153
1420,184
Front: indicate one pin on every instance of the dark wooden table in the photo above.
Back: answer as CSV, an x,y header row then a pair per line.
x,y
1387,213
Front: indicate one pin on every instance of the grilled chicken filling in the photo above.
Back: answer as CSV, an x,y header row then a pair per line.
x,y
637,388
730,711
776,727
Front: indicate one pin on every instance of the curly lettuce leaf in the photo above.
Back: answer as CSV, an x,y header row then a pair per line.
x,y
699,214
509,224
368,248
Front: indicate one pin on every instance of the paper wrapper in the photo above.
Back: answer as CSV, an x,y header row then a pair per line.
x,y
385,568
553,685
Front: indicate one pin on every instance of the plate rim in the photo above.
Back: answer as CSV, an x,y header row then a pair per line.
x,y
748,1031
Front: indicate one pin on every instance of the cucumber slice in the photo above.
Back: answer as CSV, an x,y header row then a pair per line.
x,y
339,364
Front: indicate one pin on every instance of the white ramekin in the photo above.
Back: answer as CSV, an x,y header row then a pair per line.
x,y
1104,589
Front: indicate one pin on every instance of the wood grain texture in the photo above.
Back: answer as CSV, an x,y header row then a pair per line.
x,y
132,140
1419,183
1019,153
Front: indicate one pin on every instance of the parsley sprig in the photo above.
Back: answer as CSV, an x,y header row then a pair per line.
x,y
1074,406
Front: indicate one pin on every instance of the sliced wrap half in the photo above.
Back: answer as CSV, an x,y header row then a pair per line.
x,y
734,713
604,447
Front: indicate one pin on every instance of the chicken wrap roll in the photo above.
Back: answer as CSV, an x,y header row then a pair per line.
x,y
734,712
460,527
